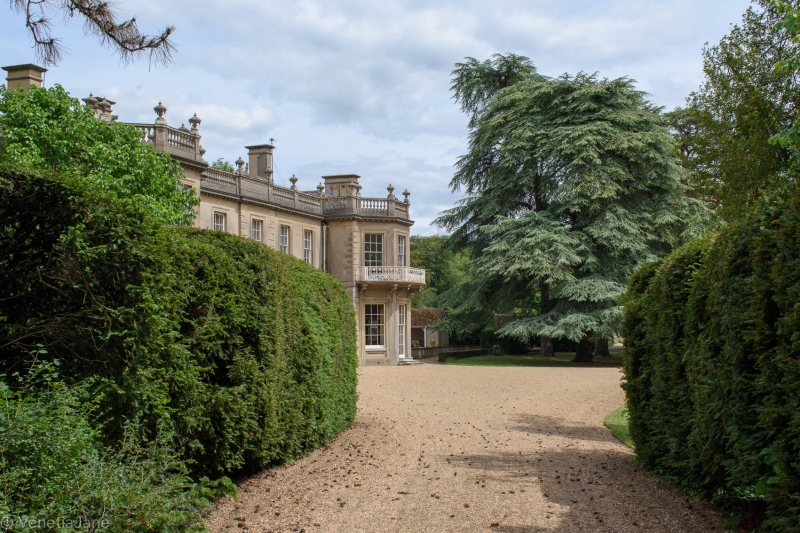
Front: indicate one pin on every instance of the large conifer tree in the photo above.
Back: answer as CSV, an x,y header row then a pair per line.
x,y
571,184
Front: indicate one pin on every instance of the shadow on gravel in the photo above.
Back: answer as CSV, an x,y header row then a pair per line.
x,y
589,491
550,425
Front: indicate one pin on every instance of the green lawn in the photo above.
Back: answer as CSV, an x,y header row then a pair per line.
x,y
562,359
617,422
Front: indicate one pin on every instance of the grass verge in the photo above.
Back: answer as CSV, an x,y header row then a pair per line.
x,y
617,422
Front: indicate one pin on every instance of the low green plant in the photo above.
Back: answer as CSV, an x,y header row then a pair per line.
x,y
56,474
617,422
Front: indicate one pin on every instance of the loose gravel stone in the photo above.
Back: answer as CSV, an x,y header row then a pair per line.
x,y
438,448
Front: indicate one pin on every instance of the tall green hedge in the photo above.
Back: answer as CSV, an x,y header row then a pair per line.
x,y
244,355
712,337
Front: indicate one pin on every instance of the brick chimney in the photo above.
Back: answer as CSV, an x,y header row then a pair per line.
x,y
23,76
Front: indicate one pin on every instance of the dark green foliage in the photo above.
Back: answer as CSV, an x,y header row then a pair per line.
x,y
463,354
55,471
247,356
508,345
444,268
712,338
571,183
655,343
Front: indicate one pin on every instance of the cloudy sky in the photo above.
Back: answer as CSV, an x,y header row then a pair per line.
x,y
357,86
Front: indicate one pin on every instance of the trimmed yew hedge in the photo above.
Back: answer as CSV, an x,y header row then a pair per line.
x,y
244,355
712,337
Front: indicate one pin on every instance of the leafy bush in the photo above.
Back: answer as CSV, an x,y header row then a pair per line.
x,y
245,355
47,129
56,475
712,338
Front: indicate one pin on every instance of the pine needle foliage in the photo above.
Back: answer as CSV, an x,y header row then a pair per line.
x,y
244,355
713,362
100,20
571,184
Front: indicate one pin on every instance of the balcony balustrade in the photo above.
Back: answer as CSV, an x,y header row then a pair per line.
x,y
245,187
392,274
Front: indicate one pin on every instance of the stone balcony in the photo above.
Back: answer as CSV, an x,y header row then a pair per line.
x,y
181,142
391,274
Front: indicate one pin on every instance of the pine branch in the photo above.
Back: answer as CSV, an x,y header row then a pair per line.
x,y
100,20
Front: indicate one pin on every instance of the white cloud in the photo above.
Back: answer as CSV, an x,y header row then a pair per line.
x,y
362,86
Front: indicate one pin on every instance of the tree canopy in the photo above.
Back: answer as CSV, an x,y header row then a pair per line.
x,y
223,164
571,184
444,268
48,129
747,98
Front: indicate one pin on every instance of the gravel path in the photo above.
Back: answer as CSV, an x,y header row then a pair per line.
x,y
440,448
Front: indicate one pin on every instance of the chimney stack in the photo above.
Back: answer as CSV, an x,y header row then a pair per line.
x,y
261,160
23,76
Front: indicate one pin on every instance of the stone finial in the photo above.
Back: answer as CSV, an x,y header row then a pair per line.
x,y
160,111
101,107
406,194
239,164
195,122
391,192
321,189
202,152
183,127
293,179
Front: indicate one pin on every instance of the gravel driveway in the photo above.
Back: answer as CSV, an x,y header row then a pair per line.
x,y
439,448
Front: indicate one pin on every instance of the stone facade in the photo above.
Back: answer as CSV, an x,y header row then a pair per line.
x,y
362,241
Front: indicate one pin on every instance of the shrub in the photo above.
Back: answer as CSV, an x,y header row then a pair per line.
x,y
655,341
462,354
713,364
245,355
56,475
508,345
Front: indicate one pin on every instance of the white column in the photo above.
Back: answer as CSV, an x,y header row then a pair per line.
x,y
395,345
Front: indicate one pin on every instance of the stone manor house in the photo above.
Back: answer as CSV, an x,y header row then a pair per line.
x,y
362,241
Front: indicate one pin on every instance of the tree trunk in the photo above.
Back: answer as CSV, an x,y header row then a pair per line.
x,y
544,306
583,354
601,348
547,347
